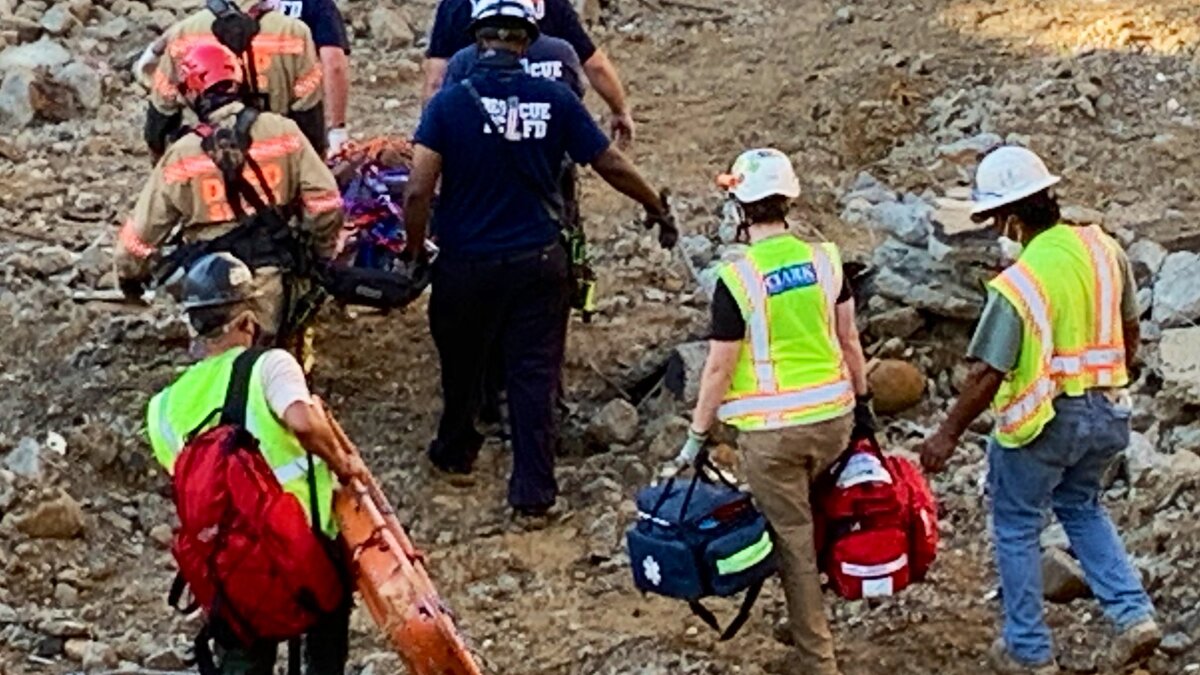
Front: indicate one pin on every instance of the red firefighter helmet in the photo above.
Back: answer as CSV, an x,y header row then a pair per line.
x,y
205,66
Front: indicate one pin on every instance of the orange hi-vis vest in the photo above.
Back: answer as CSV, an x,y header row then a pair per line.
x,y
1067,288
790,371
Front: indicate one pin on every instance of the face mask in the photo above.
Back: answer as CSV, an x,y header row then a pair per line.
x,y
1009,250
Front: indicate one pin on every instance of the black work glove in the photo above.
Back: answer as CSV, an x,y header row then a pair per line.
x,y
864,417
668,233
132,289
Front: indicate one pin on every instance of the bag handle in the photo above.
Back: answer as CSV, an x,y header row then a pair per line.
x,y
839,465
699,468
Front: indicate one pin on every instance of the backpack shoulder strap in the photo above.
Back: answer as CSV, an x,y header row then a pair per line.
x,y
739,620
241,129
245,121
237,396
221,7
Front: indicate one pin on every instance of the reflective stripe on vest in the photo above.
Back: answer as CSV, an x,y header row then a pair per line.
x,y
1027,288
770,403
286,473
1059,369
1108,307
189,403
756,323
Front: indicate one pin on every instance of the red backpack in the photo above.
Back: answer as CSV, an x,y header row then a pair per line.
x,y
246,549
876,523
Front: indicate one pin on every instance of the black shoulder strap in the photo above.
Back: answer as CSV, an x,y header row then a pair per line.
x,y
739,620
221,7
549,201
237,396
244,123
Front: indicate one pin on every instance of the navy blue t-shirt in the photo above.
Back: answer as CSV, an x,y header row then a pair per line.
x,y
323,18
548,57
485,206
452,24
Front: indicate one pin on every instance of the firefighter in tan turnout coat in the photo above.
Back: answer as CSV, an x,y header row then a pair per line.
x,y
283,73
187,190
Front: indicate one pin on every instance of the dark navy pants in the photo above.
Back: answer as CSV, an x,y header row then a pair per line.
x,y
517,304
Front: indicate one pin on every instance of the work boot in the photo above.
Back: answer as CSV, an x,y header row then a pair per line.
x,y
1003,662
459,477
531,518
1135,644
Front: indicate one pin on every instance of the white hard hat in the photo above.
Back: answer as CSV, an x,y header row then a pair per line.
x,y
526,11
762,173
1006,175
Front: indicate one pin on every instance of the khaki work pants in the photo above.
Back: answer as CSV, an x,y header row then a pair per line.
x,y
781,466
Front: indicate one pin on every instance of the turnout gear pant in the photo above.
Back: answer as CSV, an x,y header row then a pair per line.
x,y
517,303
781,465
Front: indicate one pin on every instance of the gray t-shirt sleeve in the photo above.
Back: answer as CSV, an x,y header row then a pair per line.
x,y
997,339
1129,303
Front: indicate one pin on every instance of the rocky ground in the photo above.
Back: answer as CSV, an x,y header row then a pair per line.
x,y
884,105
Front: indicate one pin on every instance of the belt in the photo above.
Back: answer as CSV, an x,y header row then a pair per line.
x,y
505,258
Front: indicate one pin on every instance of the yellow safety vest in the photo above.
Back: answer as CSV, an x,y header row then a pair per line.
x,y
1067,288
790,371
188,404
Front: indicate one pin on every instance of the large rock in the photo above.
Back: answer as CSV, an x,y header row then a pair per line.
x,y
58,20
91,655
1147,466
59,518
911,276
897,386
970,150
1081,215
868,189
1146,257
901,322
16,99
910,220
1062,577
669,440
617,422
83,81
390,27
1185,439
25,460
1179,363
1176,294
8,491
699,249
111,30
44,53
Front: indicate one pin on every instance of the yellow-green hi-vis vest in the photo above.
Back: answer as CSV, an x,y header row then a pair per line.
x,y
1067,288
189,403
790,371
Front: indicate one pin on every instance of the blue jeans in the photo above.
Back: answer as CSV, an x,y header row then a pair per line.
x,y
1062,469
